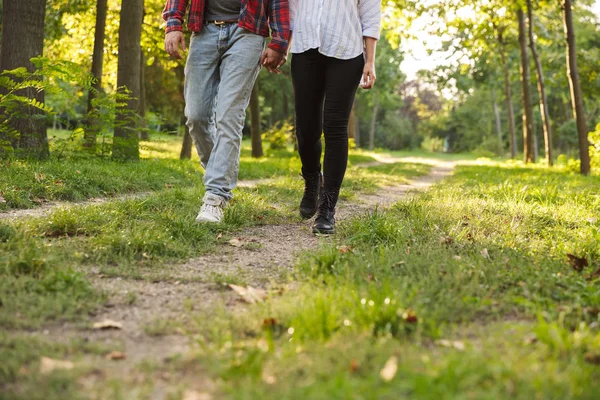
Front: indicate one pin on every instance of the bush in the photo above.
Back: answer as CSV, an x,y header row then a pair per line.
x,y
279,136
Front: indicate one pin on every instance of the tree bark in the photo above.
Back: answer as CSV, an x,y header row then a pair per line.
x,y
541,86
498,121
512,132
528,145
91,131
126,142
23,39
144,134
257,149
186,147
373,124
575,86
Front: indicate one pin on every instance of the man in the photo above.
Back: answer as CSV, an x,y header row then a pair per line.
x,y
226,53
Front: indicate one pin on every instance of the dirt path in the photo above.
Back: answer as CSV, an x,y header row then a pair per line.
x,y
154,313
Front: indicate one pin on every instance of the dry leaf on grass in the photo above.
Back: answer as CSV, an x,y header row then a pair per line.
x,y
193,395
235,242
454,344
410,317
116,356
108,324
578,263
2,200
249,294
48,365
354,365
389,369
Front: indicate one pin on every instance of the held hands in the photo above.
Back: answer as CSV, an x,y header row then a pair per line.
x,y
174,41
369,77
273,60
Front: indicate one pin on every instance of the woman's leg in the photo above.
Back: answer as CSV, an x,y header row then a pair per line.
x,y
308,77
341,81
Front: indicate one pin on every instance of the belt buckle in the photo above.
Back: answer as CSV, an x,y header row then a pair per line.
x,y
219,22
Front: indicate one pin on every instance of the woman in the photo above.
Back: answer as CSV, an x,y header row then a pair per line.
x,y
333,51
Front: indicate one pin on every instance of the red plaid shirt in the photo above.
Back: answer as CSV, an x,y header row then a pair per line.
x,y
256,16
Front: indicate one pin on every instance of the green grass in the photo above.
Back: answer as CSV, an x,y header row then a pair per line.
x,y
481,260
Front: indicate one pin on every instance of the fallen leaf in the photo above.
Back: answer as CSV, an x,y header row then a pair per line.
x,y
108,324
389,369
410,317
345,249
452,344
447,240
269,323
592,358
193,395
2,200
354,365
485,254
370,278
48,365
219,236
578,263
267,378
530,339
116,355
249,294
236,242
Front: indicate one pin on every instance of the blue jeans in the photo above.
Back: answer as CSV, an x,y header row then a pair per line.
x,y
221,69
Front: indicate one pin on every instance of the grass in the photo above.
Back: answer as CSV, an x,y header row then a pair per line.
x,y
470,287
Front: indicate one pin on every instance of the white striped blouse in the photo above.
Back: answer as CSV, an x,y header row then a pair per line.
x,y
335,27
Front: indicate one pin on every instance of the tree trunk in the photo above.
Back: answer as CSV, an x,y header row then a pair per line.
x,y
144,133
91,131
541,88
575,85
528,145
23,39
126,142
257,149
373,124
512,132
186,147
498,121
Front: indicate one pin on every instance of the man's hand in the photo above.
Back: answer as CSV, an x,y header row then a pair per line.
x,y
175,40
369,77
273,60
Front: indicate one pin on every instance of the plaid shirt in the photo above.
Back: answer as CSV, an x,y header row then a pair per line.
x,y
256,16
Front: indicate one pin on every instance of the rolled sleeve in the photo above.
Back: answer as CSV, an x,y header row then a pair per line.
x,y
279,22
370,18
174,14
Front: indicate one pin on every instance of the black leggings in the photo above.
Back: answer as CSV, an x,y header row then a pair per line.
x,y
324,90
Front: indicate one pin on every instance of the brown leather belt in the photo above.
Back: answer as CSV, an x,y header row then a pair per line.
x,y
230,21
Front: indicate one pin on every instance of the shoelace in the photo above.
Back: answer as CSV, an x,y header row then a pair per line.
x,y
213,209
326,203
311,185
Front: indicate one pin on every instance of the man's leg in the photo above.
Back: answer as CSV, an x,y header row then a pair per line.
x,y
239,69
201,82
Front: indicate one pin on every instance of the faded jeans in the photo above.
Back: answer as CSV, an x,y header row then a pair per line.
x,y
221,69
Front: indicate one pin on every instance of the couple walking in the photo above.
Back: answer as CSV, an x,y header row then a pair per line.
x,y
333,49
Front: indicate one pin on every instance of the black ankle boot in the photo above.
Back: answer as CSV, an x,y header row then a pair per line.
x,y
325,222
312,189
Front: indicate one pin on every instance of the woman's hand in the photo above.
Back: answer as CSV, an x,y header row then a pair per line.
x,y
369,77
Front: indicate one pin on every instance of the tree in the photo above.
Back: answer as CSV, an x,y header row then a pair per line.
x,y
528,145
89,139
23,39
575,85
257,149
545,113
126,142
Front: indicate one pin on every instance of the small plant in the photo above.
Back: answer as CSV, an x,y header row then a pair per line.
x,y
280,136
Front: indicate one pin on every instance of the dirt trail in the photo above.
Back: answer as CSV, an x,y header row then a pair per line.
x,y
265,253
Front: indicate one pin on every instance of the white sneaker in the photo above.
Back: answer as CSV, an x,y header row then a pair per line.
x,y
212,209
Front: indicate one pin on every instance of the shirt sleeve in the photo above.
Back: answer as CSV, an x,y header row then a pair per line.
x,y
279,21
293,5
370,17
174,14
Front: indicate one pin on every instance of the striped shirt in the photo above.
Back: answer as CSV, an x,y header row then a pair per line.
x,y
335,27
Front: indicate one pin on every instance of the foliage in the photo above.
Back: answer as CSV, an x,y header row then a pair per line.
x,y
280,136
594,138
